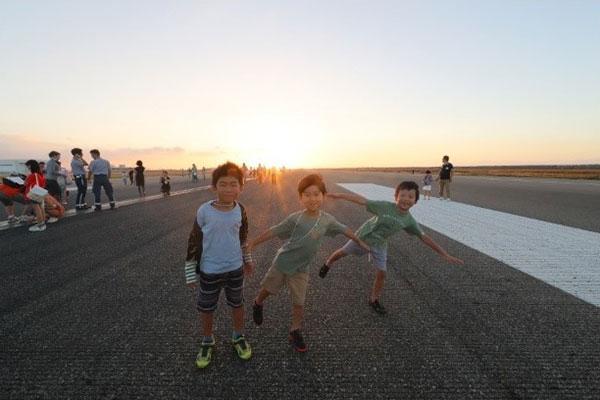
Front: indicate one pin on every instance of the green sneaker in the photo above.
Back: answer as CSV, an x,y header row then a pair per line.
x,y
242,348
205,355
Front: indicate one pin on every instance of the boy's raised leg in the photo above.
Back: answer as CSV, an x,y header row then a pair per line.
x,y
336,255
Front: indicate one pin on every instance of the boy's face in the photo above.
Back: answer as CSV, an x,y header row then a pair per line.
x,y
228,189
406,199
312,198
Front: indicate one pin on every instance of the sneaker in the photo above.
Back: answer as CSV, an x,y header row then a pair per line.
x,y
51,220
205,355
323,271
379,309
98,208
12,219
297,341
257,314
26,218
37,228
242,348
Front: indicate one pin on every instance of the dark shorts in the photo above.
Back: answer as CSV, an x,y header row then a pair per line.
x,y
9,201
211,285
53,188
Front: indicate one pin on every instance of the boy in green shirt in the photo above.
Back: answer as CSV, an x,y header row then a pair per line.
x,y
304,231
390,218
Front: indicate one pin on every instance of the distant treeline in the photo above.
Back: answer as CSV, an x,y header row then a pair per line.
x,y
591,171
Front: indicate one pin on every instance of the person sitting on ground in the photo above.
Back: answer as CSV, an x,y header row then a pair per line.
x,y
165,183
35,178
390,218
11,191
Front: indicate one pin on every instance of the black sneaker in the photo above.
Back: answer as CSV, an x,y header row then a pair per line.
x,y
297,341
98,208
323,271
379,309
257,314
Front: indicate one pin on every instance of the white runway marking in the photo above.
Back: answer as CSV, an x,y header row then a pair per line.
x,y
565,257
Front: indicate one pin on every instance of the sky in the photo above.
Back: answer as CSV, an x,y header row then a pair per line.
x,y
302,83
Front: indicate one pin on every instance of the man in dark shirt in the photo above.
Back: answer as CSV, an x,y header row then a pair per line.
x,y
445,178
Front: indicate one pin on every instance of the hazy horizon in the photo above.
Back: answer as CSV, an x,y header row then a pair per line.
x,y
302,84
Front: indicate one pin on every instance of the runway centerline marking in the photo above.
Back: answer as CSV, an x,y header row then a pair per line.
x,y
562,256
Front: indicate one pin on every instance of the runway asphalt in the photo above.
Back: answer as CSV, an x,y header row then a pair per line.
x,y
95,307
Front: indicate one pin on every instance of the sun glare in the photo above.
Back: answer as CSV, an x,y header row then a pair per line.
x,y
275,140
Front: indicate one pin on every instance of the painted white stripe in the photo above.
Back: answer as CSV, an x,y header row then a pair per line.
x,y
562,256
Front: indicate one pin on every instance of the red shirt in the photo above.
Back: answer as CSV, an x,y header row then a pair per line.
x,y
30,182
9,191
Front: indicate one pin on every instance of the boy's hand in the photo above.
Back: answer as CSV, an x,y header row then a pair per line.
x,y
453,260
190,273
248,269
192,285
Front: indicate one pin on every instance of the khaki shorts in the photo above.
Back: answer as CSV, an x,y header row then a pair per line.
x,y
297,284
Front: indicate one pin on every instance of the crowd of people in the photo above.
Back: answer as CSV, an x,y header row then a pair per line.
x,y
50,180
44,194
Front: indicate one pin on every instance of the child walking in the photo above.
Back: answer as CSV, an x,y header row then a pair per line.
x,y
427,181
390,218
304,231
165,184
216,259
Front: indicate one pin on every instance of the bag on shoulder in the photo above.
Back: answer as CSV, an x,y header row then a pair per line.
x,y
37,193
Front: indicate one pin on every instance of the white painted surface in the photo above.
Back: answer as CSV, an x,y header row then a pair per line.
x,y
565,257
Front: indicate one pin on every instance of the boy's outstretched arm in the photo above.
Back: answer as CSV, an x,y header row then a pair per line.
x,y
263,237
350,235
438,249
354,198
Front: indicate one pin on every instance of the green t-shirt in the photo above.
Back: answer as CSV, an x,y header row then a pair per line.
x,y
387,222
304,235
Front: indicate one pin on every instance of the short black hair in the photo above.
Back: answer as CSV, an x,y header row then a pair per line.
x,y
446,158
33,165
138,162
309,180
227,169
53,154
428,172
76,150
408,185
95,151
